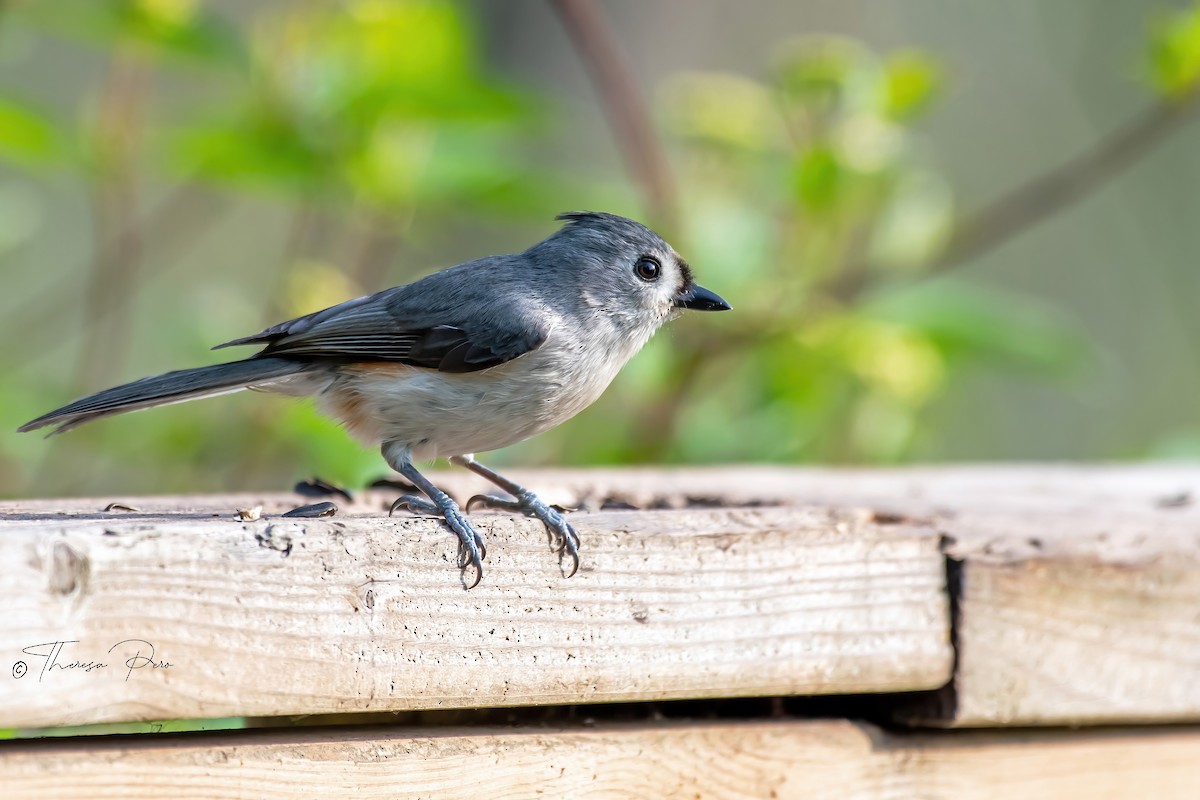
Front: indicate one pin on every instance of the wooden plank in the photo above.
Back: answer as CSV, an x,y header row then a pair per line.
x,y
916,491
365,613
1077,585
784,759
1083,619
1172,490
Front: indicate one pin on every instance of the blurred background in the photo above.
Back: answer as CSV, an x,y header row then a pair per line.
x,y
949,230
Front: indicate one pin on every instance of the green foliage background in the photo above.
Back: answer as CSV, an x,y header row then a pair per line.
x,y
228,166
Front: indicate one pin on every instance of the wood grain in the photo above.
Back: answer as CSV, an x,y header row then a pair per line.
x,y
366,613
786,759
1078,584
1077,589
1084,619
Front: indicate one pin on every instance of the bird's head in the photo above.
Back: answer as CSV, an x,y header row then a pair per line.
x,y
625,269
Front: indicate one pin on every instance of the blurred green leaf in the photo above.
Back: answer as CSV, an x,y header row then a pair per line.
x,y
916,220
734,239
465,166
172,28
723,109
382,102
910,80
820,178
1174,57
825,73
968,322
404,42
322,443
891,358
28,136
867,143
252,156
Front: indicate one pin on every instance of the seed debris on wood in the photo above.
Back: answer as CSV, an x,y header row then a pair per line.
x,y
325,509
318,487
1177,500
392,483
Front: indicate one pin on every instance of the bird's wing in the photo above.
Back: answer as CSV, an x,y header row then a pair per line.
x,y
401,325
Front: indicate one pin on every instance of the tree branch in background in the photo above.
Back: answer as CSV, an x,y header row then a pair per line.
x,y
625,106
646,162
1066,185
1034,202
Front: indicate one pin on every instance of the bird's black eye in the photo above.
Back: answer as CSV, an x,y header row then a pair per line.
x,y
647,268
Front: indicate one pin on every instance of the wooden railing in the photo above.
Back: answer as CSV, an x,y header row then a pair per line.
x,y
1007,599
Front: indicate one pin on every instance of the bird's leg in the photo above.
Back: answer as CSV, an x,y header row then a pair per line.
x,y
471,549
526,503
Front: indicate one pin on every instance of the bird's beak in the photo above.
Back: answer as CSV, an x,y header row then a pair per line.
x,y
697,298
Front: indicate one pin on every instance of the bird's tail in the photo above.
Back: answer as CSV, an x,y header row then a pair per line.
x,y
173,387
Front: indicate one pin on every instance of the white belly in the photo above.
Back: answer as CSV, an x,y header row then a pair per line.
x,y
440,414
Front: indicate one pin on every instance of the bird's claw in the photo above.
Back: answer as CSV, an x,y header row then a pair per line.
x,y
531,505
417,505
471,547
568,538
493,502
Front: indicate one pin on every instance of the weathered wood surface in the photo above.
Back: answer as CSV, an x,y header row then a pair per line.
x,y
1028,488
814,759
1076,595
1079,586
1077,591
365,613
1102,628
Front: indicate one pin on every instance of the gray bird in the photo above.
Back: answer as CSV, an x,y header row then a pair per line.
x,y
473,358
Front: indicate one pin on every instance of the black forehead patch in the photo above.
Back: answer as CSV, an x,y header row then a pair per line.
x,y
686,279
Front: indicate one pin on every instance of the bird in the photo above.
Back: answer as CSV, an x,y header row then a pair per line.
x,y
469,359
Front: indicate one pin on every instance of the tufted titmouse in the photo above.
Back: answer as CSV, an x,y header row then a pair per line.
x,y
472,358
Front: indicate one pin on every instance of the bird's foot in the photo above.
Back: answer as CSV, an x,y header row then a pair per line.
x,y
531,505
471,547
